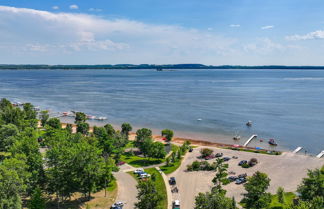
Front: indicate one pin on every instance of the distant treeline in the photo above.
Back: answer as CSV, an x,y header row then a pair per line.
x,y
148,66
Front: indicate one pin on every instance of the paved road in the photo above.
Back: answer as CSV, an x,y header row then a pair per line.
x,y
286,170
127,191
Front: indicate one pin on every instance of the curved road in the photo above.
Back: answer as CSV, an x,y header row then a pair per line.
x,y
127,191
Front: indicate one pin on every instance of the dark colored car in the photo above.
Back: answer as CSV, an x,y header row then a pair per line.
x,y
232,178
172,181
244,175
190,149
219,155
226,159
242,162
240,181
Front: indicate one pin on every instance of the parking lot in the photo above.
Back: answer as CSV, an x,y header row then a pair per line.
x,y
286,170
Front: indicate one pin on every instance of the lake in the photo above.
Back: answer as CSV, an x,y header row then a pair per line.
x,y
287,105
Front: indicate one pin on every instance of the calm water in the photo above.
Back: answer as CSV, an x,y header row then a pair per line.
x,y
287,105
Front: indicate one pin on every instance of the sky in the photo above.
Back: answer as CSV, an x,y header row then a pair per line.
x,y
211,32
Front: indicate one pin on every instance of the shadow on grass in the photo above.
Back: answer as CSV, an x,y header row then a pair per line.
x,y
145,162
69,204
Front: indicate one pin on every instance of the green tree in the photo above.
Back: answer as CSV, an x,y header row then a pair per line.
x,y
156,150
110,130
8,135
214,200
80,117
12,183
256,196
141,135
126,128
54,123
281,195
220,178
313,185
44,116
69,128
148,197
168,134
29,111
37,200
206,152
146,146
29,147
83,128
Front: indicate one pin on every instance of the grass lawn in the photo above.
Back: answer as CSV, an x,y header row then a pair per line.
x,y
172,167
159,184
137,161
289,196
98,200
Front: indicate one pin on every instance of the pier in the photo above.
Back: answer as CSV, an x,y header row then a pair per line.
x,y
297,150
320,154
249,140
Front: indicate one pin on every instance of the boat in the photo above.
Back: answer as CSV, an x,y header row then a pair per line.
x,y
101,118
91,117
199,119
249,123
159,69
237,137
272,142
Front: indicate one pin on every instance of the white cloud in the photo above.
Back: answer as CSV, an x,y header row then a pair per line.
x,y
235,25
74,6
263,46
319,34
110,40
267,27
95,10
55,7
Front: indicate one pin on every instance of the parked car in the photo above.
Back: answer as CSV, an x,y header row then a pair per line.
x,y
219,155
242,162
144,175
139,171
232,178
172,181
235,157
176,204
190,149
226,159
240,181
244,175
117,205
253,162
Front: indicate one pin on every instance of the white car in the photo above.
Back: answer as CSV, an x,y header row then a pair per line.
x,y
176,204
145,175
138,171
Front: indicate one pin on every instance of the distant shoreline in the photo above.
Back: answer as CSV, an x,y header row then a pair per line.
x,y
153,67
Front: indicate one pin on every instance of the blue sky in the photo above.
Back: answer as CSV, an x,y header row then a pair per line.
x,y
237,32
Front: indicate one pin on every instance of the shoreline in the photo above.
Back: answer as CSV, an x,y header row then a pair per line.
x,y
194,142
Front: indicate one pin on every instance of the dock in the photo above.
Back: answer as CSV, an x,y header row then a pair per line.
x,y
249,140
320,154
297,150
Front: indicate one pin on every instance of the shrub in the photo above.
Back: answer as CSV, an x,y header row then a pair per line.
x,y
206,152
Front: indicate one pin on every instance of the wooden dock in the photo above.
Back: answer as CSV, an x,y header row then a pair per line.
x,y
320,154
297,149
249,140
